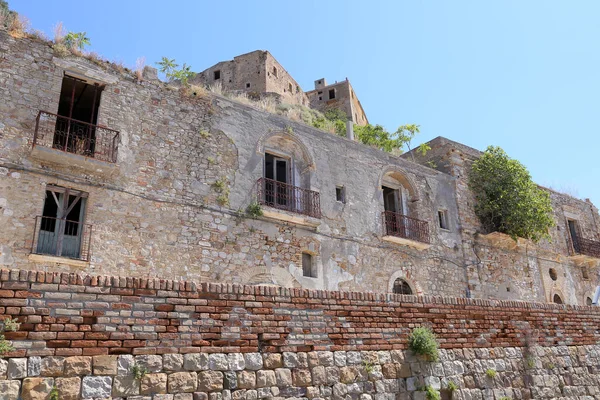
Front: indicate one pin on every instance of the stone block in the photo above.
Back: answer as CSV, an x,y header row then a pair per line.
x,y
9,390
265,378
105,365
236,361
183,396
17,368
195,362
162,397
325,358
200,396
251,395
210,381
319,377
301,377
284,377
34,365
173,362
36,388
96,387
124,386
3,368
339,358
246,379
272,360
75,366
182,382
230,380
153,384
68,388
152,363
52,366
218,362
253,361
124,364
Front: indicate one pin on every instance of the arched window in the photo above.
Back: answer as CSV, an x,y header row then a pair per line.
x,y
557,299
402,287
588,301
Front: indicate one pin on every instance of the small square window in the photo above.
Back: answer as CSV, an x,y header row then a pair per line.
x,y
217,74
331,94
340,194
320,92
443,219
308,268
247,85
320,98
290,87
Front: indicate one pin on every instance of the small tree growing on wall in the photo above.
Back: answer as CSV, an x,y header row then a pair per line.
x,y
506,199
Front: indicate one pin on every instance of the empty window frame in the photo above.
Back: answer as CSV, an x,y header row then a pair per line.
x,y
557,299
331,94
443,219
275,71
402,287
308,265
290,88
217,75
61,225
247,85
340,194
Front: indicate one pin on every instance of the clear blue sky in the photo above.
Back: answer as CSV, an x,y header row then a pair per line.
x,y
523,75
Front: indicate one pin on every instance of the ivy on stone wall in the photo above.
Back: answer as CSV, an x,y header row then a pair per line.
x,y
506,198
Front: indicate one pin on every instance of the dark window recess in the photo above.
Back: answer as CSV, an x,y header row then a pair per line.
x,y
217,75
308,268
331,94
290,87
297,89
588,301
585,273
402,287
247,85
320,98
552,273
275,71
340,194
443,219
320,82
320,92
78,101
557,299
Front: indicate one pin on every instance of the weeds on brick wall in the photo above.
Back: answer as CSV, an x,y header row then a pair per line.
x,y
452,386
54,393
76,41
221,186
530,340
11,325
204,134
254,210
505,398
289,129
431,393
490,373
138,371
368,366
5,345
422,341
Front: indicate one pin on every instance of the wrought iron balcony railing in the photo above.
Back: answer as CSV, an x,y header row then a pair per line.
x,y
287,197
579,245
78,137
396,224
61,238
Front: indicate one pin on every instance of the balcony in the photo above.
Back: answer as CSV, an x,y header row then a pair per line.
x,y
402,229
579,246
286,202
79,142
61,238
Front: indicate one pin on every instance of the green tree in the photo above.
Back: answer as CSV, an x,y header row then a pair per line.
x,y
378,137
506,199
169,68
77,40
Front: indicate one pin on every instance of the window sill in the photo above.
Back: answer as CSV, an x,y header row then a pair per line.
x,y
298,219
47,259
70,159
406,242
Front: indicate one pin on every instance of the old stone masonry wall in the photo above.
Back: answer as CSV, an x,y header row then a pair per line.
x,y
92,337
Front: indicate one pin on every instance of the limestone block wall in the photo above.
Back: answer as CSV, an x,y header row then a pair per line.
x,y
84,337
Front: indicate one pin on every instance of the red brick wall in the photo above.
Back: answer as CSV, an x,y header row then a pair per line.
x,y
70,314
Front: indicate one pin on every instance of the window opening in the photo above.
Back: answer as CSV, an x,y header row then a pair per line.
x,y
217,75
402,287
584,272
61,225
308,268
331,94
320,98
340,194
552,273
443,219
557,299
290,87
275,71
395,223
75,129
588,301
277,174
247,85
573,232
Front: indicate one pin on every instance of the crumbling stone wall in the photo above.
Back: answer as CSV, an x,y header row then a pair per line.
x,y
87,335
345,100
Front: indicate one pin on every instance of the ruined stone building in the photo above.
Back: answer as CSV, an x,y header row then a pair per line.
x,y
258,73
103,173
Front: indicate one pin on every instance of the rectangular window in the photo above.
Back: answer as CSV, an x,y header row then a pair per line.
x,y
308,268
247,85
443,219
331,94
340,194
320,98
290,87
217,75
60,229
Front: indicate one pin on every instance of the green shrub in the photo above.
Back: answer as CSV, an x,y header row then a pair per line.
x,y
506,198
431,393
452,386
138,371
491,373
368,366
254,210
422,341
5,346
11,325
54,394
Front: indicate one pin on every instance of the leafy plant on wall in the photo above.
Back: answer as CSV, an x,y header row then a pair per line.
x,y
506,198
